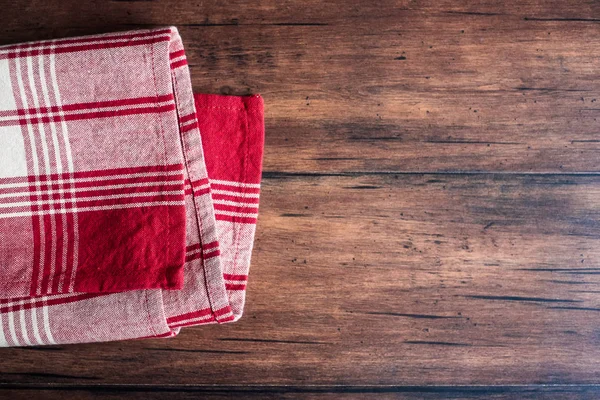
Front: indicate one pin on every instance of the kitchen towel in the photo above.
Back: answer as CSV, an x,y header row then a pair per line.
x,y
127,207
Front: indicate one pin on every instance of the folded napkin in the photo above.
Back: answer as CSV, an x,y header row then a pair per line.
x,y
127,206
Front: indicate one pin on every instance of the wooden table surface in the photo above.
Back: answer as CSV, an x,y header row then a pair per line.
x,y
430,212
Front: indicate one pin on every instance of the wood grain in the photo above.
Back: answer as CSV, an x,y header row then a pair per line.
x,y
429,222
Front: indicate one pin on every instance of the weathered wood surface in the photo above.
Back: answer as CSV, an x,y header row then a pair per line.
x,y
430,211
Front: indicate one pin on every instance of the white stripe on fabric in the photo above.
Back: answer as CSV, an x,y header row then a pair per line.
x,y
36,170
48,169
11,328
75,180
67,149
235,203
232,282
29,131
34,323
59,169
236,214
92,198
91,189
58,103
200,187
75,210
32,300
3,341
236,184
36,104
236,194
24,326
189,123
176,59
53,114
197,319
48,103
40,45
47,325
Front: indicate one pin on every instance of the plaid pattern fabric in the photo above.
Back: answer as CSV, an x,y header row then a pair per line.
x,y
120,219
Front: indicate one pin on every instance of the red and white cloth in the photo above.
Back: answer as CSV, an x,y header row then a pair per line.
x,y
128,205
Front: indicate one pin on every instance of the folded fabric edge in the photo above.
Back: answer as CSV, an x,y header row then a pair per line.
x,y
194,161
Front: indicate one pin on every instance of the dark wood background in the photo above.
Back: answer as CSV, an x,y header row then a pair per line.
x,y
430,214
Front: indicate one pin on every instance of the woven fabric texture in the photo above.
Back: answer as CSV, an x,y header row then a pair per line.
x,y
128,205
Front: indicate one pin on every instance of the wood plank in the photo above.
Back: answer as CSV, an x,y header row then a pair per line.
x,y
376,280
520,392
390,86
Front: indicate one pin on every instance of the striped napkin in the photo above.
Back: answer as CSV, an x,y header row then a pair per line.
x,y
128,205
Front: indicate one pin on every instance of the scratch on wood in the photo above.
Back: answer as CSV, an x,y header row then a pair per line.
x,y
467,142
417,316
474,13
271,341
562,19
197,351
575,308
437,343
49,375
520,298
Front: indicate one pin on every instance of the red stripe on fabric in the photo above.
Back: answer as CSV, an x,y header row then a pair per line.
x,y
188,192
87,39
193,247
228,319
44,209
192,257
190,315
167,180
129,200
59,251
35,277
40,302
222,311
46,271
90,115
239,199
215,253
179,63
230,286
240,209
232,188
187,118
192,323
170,187
232,277
48,182
180,320
71,249
176,54
199,182
200,192
88,106
120,171
51,207
241,220
74,49
188,128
